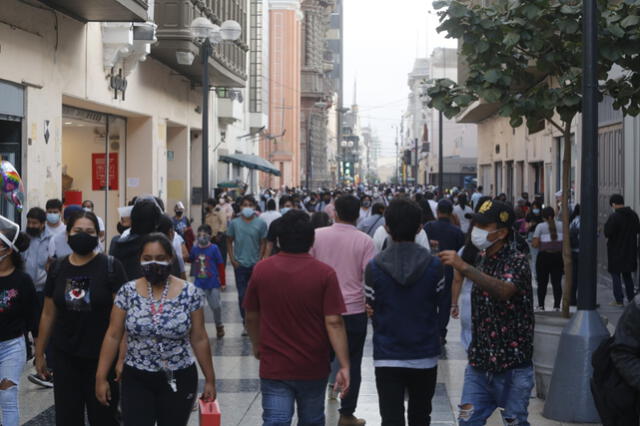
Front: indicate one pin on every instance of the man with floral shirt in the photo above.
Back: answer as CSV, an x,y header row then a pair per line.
x,y
500,372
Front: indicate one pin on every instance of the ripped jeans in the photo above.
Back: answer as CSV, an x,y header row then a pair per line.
x,y
483,392
13,356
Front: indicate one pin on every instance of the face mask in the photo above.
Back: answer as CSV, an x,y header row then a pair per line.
x,y
178,213
53,217
87,209
204,241
83,243
156,272
248,212
479,238
536,211
4,256
284,210
366,204
33,232
222,201
121,228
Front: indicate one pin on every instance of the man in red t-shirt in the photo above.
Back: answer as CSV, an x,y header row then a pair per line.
x,y
294,323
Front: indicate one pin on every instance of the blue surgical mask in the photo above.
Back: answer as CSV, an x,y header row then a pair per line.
x,y
53,217
284,210
536,211
248,212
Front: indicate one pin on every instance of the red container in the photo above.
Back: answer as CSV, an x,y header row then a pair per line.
x,y
72,197
209,413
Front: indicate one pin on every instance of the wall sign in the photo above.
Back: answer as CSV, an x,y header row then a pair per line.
x,y
99,171
118,83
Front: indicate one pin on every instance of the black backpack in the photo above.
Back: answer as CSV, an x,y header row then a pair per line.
x,y
615,399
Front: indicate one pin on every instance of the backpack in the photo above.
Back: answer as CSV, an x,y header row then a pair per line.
x,y
614,398
57,267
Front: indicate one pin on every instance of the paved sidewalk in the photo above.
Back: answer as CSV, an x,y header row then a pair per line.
x,y
239,385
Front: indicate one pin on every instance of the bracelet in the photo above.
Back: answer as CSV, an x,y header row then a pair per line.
x,y
454,306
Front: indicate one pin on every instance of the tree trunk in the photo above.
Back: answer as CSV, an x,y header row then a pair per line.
x,y
566,241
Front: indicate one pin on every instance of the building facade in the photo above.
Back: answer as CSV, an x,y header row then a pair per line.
x,y
103,101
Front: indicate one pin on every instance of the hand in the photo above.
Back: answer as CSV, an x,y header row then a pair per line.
x,y
455,311
223,287
41,367
369,309
451,258
342,382
103,391
209,393
256,353
235,264
119,368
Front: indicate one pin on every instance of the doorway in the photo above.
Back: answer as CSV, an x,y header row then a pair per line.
x,y
11,151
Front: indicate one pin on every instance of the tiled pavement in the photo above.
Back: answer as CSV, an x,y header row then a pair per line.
x,y
239,386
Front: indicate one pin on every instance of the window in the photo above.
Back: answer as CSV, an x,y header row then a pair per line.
x,y
255,57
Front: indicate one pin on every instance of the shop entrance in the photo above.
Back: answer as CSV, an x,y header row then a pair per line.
x,y
93,163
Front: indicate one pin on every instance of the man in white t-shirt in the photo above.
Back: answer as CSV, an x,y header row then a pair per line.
x,y
381,239
88,206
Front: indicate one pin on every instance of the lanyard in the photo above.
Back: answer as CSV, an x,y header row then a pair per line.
x,y
155,312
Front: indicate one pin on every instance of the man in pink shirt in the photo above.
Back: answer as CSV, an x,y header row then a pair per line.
x,y
348,251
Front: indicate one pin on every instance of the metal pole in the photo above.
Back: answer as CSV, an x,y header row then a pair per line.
x,y
205,52
587,273
440,155
415,166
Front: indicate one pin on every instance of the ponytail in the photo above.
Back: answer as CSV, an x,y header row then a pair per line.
x,y
549,216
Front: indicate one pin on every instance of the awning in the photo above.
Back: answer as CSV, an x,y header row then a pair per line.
x,y
250,161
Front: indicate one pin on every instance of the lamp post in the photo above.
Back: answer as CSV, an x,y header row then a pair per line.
x,y
209,35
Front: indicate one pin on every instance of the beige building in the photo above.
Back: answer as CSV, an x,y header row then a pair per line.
x,y
111,110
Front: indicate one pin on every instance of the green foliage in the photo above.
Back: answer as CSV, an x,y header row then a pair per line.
x,y
526,56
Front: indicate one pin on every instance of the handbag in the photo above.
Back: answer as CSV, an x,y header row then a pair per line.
x,y
209,413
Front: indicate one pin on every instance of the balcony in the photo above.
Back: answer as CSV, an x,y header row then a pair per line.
x,y
477,112
102,10
229,110
228,64
313,84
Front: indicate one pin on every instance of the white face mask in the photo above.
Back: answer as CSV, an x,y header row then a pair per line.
x,y
479,238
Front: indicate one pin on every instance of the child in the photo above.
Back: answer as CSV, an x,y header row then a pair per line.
x,y
208,270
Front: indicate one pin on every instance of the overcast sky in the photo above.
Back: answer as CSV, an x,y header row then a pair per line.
x,y
381,42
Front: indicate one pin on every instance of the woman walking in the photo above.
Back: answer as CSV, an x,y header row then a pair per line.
x,y
17,310
547,238
78,300
164,320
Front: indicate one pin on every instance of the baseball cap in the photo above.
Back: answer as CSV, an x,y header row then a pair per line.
x,y
71,210
445,206
495,212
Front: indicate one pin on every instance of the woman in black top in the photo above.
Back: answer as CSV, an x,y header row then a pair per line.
x,y
17,311
78,300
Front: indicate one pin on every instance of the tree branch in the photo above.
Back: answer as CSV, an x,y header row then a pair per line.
x,y
556,125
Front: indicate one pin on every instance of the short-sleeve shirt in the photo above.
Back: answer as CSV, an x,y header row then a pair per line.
x,y
503,330
150,346
247,237
544,234
59,246
294,344
204,266
83,296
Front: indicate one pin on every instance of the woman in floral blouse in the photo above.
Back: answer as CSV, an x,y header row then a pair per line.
x,y
164,321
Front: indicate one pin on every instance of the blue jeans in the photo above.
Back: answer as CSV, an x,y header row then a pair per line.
x,y
279,396
13,355
243,275
483,392
617,286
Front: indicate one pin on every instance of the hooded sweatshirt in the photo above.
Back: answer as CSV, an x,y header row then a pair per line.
x,y
403,286
622,229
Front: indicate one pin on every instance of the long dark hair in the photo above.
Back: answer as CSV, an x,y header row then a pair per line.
x,y
549,215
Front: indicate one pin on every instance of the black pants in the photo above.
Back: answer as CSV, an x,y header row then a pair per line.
x,y
75,389
392,383
147,397
575,259
549,265
356,327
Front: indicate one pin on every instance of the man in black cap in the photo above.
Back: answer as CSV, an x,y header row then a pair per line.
x,y
500,372
444,235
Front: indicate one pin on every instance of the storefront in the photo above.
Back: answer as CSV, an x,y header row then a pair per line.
x,y
94,162
11,124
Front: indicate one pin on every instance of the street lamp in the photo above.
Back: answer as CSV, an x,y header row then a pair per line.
x,y
207,34
319,106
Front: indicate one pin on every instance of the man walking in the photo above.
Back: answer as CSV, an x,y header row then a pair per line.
x,y
246,243
293,325
476,196
403,285
445,236
500,372
348,251
621,230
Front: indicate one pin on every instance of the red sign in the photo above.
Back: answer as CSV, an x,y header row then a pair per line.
x,y
99,171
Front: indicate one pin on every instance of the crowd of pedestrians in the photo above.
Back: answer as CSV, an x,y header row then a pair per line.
x,y
118,335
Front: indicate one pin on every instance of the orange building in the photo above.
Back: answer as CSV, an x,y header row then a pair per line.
x,y
281,145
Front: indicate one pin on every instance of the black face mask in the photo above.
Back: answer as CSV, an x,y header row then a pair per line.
x,y
121,228
156,272
83,243
34,232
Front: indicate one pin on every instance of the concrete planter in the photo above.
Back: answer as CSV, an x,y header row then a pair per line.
x,y
546,339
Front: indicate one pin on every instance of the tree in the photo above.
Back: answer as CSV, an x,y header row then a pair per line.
x,y
525,56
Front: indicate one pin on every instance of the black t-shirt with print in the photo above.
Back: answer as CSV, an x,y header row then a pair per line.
x,y
17,305
503,330
83,296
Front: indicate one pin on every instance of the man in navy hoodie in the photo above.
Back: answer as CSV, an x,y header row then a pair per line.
x,y
403,286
